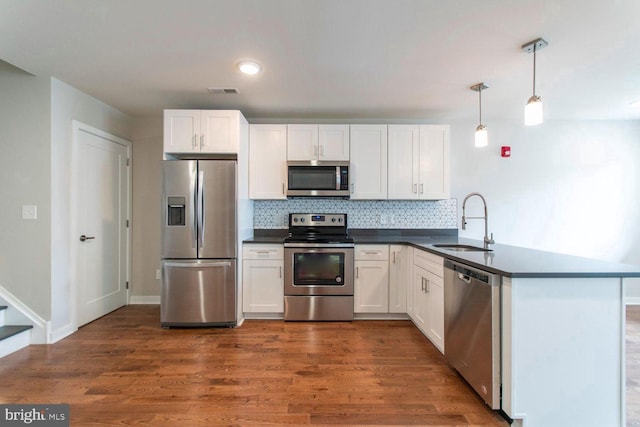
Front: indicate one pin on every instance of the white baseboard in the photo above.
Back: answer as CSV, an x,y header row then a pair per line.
x,y
41,328
15,343
61,333
632,300
153,299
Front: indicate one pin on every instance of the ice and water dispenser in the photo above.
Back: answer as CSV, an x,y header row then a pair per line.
x,y
177,210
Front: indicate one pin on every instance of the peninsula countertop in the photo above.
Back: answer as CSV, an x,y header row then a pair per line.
x,y
506,260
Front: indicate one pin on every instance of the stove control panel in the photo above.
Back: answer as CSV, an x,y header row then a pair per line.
x,y
317,220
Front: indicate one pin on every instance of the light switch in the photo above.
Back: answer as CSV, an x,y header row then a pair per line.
x,y
29,212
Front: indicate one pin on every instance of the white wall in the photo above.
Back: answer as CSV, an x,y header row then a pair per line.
x,y
25,245
67,104
569,186
147,154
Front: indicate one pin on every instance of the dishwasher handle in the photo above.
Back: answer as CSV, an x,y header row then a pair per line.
x,y
467,273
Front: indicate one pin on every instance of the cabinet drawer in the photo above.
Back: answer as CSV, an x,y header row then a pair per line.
x,y
250,251
429,262
371,252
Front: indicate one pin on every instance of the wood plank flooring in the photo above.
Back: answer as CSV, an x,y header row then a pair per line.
x,y
123,369
633,365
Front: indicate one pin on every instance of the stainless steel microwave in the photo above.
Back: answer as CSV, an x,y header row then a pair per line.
x,y
317,178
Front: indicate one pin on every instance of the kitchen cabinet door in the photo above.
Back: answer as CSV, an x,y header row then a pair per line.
x,y
181,131
434,162
262,278
263,286
435,310
404,156
371,291
368,162
420,299
219,131
267,161
302,142
333,143
399,275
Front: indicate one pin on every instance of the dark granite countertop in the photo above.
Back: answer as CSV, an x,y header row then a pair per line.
x,y
506,260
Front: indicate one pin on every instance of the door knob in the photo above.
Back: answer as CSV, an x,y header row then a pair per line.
x,y
83,238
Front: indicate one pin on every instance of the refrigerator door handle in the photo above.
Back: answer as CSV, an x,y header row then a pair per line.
x,y
201,209
197,265
194,214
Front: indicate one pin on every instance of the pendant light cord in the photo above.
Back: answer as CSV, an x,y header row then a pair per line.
x,y
534,69
480,101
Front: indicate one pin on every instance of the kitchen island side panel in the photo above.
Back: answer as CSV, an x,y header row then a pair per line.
x,y
563,356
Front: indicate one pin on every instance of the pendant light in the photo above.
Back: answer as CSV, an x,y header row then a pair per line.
x,y
533,114
481,137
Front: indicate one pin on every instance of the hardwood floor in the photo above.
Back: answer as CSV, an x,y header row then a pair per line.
x,y
633,365
123,369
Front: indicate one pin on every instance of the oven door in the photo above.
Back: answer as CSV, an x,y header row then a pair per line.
x,y
316,270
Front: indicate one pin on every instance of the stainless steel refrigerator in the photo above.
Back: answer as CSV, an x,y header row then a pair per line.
x,y
199,251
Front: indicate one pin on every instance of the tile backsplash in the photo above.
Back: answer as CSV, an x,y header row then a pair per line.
x,y
378,214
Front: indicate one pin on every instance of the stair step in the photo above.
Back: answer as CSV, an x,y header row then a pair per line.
x,y
11,330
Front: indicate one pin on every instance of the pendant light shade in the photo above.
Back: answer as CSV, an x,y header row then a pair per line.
x,y
481,136
533,114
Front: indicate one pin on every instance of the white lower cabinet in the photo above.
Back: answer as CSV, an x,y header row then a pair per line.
x,y
399,275
371,290
428,296
262,278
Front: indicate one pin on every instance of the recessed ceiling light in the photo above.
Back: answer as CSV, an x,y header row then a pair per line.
x,y
248,67
635,104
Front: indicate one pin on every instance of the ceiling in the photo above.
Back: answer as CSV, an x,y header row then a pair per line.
x,y
323,59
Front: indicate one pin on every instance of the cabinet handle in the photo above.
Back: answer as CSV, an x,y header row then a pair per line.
x,y
353,188
281,272
421,188
263,252
394,257
357,272
193,141
202,140
415,188
372,252
427,287
422,287
283,188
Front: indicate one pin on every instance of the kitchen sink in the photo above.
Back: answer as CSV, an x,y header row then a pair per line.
x,y
464,248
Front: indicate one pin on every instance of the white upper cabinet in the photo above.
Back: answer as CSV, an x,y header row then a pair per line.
x,y
201,131
434,162
318,142
267,161
404,161
333,142
419,162
368,162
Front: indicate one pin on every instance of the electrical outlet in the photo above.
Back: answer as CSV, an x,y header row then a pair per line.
x,y
158,275
29,212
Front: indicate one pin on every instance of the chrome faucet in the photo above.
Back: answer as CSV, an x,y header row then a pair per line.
x,y
487,240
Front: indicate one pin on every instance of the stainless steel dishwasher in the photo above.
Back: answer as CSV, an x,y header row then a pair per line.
x,y
472,328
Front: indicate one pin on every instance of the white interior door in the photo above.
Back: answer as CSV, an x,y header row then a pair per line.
x,y
102,208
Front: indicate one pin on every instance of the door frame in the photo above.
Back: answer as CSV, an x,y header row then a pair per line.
x,y
78,127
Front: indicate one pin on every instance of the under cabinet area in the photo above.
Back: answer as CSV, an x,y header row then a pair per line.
x,y
428,296
262,278
371,290
318,142
202,131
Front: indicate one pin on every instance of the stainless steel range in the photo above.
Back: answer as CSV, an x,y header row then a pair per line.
x,y
318,268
